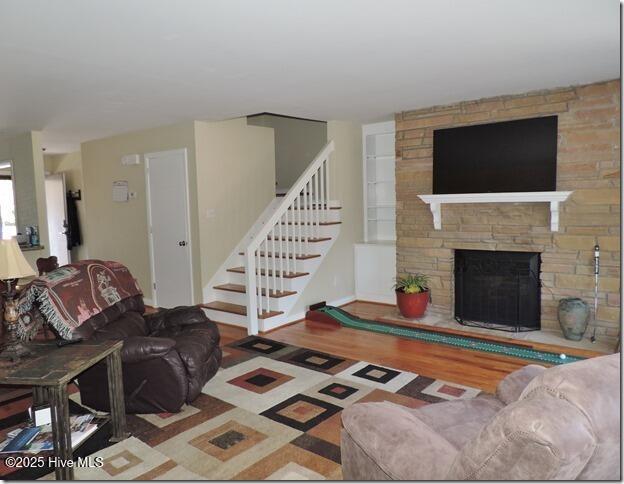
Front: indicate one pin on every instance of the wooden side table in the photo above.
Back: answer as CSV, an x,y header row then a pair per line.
x,y
50,369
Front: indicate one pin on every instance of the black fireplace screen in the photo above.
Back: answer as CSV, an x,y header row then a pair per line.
x,y
498,290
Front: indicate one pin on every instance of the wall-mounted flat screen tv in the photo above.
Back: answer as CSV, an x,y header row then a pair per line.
x,y
511,156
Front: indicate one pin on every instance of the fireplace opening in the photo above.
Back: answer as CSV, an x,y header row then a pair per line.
x,y
498,289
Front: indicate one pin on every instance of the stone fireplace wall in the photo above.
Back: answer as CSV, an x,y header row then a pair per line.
x,y
588,162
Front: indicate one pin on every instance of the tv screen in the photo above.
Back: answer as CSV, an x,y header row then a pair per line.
x,y
512,156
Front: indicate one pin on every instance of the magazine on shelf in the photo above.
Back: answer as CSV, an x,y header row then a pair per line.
x,y
81,427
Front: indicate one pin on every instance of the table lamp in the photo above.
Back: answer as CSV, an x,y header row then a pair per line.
x,y
13,265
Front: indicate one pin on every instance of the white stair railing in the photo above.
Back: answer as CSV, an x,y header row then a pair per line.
x,y
295,221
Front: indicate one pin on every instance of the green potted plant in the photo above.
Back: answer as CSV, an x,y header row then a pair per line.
x,y
412,294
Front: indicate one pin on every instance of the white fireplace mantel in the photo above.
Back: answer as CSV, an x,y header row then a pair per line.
x,y
435,202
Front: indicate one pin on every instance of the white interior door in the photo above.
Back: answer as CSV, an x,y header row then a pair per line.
x,y
56,208
168,219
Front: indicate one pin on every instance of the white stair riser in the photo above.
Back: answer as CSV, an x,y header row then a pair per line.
x,y
305,265
276,304
294,284
319,248
303,230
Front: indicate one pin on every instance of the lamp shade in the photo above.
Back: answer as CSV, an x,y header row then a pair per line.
x,y
13,265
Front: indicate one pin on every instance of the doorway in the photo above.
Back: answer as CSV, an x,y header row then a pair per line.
x,y
169,228
56,209
8,219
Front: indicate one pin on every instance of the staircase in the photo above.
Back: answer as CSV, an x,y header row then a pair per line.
x,y
260,282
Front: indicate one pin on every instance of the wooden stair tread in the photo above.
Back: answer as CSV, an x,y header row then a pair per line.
x,y
310,223
282,256
237,309
243,290
241,270
297,239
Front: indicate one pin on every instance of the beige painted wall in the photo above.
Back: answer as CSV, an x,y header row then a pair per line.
x,y
71,165
25,152
235,182
232,179
118,230
335,278
297,141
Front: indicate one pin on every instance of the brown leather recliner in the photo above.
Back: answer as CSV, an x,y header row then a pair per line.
x,y
167,357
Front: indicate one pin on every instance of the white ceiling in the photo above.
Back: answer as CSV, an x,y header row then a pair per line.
x,y
84,69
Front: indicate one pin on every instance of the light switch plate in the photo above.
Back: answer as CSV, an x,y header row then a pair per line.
x,y
128,160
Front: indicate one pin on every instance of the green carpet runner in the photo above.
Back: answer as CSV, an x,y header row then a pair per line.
x,y
350,321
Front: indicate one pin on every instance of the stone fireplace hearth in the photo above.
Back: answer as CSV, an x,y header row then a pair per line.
x,y
588,164
437,319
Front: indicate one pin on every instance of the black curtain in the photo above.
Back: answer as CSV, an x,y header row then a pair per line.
x,y
73,224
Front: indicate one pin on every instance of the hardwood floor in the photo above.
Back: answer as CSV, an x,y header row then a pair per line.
x,y
230,333
467,367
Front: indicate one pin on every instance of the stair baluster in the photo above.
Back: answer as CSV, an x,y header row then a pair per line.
x,y
275,256
281,250
299,243
267,285
323,204
258,276
308,226
317,209
305,196
289,243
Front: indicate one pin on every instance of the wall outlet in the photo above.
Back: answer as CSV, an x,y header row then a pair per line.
x,y
211,213
132,195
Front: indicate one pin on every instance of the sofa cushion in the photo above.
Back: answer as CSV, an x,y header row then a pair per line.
x,y
458,421
592,387
539,438
102,319
565,425
175,318
142,348
402,445
126,325
197,348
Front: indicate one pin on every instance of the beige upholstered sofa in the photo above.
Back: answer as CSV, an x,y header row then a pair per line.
x,y
556,423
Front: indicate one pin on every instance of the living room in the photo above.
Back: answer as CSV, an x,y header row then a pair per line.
x,y
397,258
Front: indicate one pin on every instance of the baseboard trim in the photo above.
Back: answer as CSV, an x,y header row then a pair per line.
x,y
376,298
376,303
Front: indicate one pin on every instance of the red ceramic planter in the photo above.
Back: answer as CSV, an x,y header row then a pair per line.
x,y
412,306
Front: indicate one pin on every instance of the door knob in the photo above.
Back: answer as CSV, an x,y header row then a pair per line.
x,y
182,243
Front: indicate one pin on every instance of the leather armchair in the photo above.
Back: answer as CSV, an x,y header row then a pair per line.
x,y
167,356
542,424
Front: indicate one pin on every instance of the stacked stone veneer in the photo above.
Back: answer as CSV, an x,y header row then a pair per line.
x,y
588,162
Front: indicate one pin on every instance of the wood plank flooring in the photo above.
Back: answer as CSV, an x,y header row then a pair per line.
x,y
467,367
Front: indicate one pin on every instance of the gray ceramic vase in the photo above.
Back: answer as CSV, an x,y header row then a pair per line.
x,y
573,316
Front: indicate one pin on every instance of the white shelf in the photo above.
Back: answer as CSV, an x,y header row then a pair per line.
x,y
435,202
379,160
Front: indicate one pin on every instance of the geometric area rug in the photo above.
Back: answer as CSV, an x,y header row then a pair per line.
x,y
271,412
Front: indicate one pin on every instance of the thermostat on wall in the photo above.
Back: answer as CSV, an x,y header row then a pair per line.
x,y
131,159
